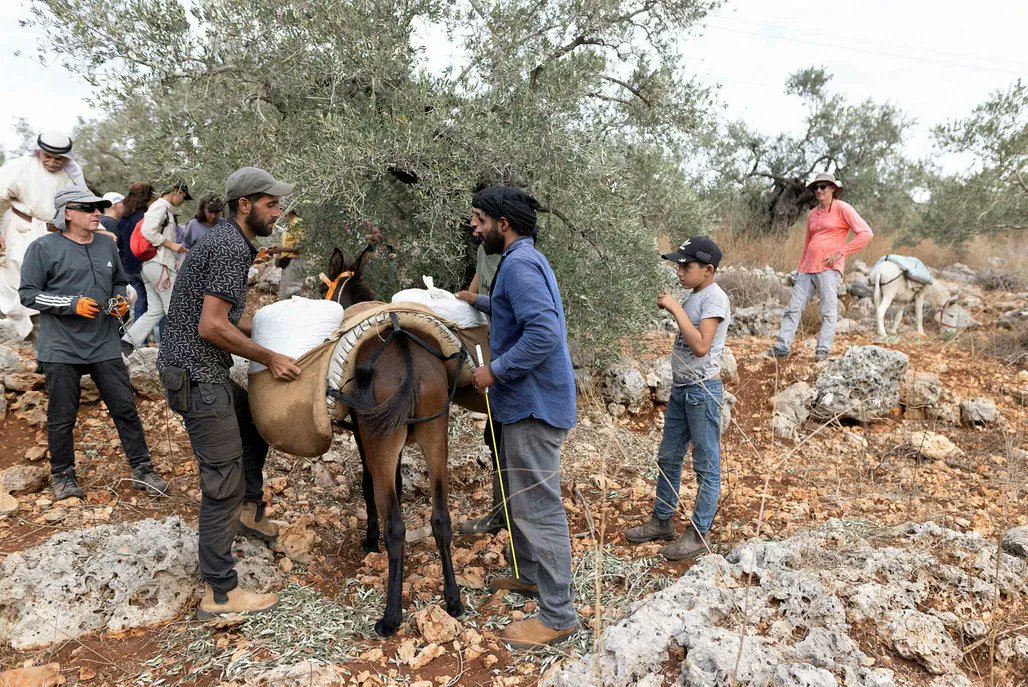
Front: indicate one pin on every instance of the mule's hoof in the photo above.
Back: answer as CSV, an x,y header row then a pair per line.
x,y
369,546
384,629
455,610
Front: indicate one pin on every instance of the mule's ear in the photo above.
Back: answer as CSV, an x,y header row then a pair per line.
x,y
336,264
362,259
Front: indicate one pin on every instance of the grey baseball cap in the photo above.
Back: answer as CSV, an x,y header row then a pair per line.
x,y
246,181
70,195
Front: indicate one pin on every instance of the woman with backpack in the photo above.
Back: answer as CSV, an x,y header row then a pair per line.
x,y
153,243
140,196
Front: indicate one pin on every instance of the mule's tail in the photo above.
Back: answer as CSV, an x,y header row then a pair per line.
x,y
876,292
393,412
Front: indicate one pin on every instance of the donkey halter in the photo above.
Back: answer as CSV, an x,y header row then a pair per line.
x,y
334,285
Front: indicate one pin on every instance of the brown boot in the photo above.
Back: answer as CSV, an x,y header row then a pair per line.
x,y
530,633
654,528
252,522
239,601
690,544
513,584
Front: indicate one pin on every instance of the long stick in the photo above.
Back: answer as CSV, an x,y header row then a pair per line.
x,y
499,472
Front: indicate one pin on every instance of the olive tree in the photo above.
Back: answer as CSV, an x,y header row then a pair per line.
x,y
991,196
582,104
767,176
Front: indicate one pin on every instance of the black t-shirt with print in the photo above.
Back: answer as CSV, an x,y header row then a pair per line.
x,y
217,265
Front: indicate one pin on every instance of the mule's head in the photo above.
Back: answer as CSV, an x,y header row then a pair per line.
x,y
343,283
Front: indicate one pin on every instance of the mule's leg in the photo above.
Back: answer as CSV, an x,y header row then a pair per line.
x,y
432,437
883,307
383,457
370,543
919,311
899,318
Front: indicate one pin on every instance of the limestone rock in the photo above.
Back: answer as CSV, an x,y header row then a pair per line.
x,y
143,374
3,403
946,413
923,638
934,446
9,332
729,365
23,478
624,384
8,504
978,411
864,384
790,410
24,381
757,320
10,361
920,389
303,674
728,401
580,357
1012,648
959,272
296,540
660,379
436,625
32,407
105,578
858,285
1015,542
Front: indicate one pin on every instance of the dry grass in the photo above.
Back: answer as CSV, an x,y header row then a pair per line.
x,y
782,252
746,288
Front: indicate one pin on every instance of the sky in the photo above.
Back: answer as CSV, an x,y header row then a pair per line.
x,y
935,60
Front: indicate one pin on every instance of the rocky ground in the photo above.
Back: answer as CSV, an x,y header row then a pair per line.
x,y
857,540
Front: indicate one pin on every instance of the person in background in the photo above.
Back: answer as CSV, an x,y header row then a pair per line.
x,y
159,271
76,282
822,263
112,215
140,195
29,183
208,212
294,268
477,295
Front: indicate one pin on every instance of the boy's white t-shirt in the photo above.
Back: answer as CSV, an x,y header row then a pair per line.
x,y
686,368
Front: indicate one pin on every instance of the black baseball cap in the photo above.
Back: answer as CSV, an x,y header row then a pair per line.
x,y
697,249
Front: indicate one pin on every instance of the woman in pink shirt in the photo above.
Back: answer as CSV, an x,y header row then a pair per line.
x,y
821,264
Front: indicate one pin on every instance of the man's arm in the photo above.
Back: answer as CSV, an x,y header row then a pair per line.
x,y
32,291
216,328
536,312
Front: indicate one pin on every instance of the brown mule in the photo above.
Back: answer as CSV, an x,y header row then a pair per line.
x,y
394,386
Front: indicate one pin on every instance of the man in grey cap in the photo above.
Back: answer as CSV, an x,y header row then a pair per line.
x,y
77,284
208,299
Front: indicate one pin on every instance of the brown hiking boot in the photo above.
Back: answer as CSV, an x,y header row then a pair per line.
x,y
654,528
512,584
530,633
252,522
239,601
690,544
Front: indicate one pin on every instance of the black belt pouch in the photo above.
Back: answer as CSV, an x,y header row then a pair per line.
x,y
176,387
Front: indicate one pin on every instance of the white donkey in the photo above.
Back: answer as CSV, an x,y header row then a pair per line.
x,y
891,285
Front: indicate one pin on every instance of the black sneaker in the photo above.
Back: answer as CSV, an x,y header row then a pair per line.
x,y
821,354
144,477
65,486
775,353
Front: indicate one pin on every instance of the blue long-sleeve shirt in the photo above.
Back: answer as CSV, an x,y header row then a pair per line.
x,y
528,339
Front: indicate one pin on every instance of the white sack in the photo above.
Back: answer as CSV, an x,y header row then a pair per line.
x,y
295,326
444,304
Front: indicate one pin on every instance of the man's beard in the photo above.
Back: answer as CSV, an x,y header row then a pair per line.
x,y
258,229
492,242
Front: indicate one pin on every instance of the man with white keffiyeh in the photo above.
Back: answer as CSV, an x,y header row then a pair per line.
x,y
29,183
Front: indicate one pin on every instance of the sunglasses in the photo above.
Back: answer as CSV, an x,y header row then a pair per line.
x,y
90,207
822,187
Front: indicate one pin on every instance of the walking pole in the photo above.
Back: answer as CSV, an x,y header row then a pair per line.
x,y
499,473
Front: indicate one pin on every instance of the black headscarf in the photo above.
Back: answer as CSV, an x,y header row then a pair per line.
x,y
511,202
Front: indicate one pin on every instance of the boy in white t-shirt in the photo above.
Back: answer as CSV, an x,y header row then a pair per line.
x,y
694,409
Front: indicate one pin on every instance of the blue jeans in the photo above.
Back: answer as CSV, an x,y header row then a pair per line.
x,y
693,416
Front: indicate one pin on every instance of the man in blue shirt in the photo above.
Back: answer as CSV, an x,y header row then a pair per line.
x,y
532,392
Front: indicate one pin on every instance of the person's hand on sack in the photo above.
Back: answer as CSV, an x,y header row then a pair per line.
x,y
283,368
466,296
87,307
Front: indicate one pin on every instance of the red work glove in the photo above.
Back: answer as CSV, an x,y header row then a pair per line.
x,y
86,307
118,306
